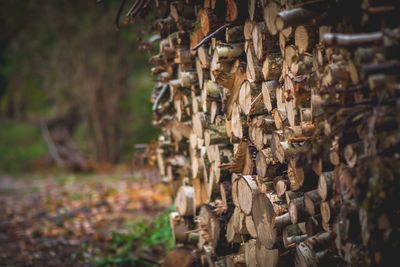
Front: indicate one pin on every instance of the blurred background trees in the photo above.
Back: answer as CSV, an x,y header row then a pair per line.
x,y
66,71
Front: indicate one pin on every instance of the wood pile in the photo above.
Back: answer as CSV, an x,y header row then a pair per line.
x,y
280,129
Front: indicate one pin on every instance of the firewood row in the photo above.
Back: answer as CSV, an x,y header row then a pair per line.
x,y
280,129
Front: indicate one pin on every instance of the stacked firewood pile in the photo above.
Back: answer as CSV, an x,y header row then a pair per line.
x,y
280,129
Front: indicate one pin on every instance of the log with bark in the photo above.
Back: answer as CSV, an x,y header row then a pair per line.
x,y
280,127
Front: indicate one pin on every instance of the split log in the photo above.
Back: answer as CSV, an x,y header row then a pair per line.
x,y
314,225
250,253
266,257
250,226
351,153
254,66
292,235
231,235
247,188
184,201
228,51
329,209
297,210
200,122
263,42
281,184
209,21
265,165
203,56
238,221
312,201
235,179
235,11
269,89
248,30
200,193
345,182
226,194
180,231
304,38
272,66
237,121
235,260
247,95
254,9
241,162
283,151
270,14
269,216
215,136
325,185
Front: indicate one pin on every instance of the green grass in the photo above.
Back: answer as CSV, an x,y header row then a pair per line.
x,y
21,145
140,238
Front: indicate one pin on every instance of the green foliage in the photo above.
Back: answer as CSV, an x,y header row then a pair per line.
x,y
137,103
142,238
58,56
20,146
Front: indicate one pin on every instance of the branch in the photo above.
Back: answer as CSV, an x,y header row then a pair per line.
x,y
121,7
159,97
52,147
211,35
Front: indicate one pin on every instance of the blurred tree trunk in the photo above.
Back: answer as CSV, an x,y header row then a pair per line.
x,y
81,62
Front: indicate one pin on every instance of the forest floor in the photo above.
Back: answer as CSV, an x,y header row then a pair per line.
x,y
82,220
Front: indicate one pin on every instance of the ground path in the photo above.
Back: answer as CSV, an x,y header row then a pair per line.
x,y
68,219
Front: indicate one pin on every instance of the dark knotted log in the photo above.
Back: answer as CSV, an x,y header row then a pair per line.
x,y
234,34
295,17
392,67
360,39
314,225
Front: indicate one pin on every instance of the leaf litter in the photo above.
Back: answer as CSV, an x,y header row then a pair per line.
x,y
83,221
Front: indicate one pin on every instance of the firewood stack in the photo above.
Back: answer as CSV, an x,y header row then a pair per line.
x,y
280,136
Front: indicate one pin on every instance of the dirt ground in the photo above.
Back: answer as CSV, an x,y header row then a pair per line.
x,y
68,219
